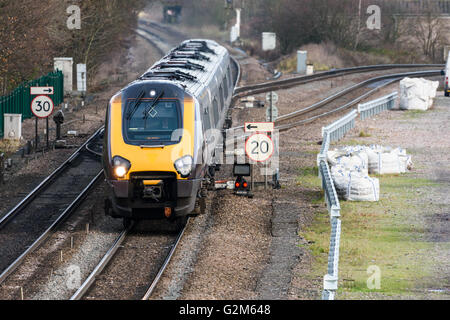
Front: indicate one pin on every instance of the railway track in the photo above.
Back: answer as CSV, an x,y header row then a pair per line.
x,y
241,92
172,243
380,82
157,36
282,123
25,227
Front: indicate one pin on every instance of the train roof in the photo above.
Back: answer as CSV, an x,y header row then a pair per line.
x,y
193,65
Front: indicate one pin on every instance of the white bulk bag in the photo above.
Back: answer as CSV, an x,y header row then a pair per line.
x,y
387,161
350,158
404,158
417,93
355,186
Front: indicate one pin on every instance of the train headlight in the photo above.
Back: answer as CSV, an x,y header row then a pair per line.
x,y
184,166
121,166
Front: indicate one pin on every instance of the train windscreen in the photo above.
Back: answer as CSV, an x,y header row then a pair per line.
x,y
153,123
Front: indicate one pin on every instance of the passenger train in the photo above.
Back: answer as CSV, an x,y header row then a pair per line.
x,y
161,133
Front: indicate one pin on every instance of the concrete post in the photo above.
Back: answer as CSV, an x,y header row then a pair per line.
x,y
236,29
66,66
13,126
301,61
81,77
269,41
238,22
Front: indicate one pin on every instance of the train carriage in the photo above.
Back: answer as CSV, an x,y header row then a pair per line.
x,y
161,132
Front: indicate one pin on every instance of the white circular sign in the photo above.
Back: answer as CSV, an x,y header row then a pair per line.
x,y
259,147
42,106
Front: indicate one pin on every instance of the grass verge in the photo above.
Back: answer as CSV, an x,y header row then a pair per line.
x,y
387,234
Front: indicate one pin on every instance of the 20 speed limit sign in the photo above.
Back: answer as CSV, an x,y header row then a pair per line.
x,y
42,106
259,147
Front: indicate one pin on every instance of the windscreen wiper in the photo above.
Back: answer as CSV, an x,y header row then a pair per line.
x,y
152,107
136,105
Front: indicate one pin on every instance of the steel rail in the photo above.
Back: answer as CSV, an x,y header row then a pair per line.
x,y
352,88
393,78
64,215
90,280
355,87
155,281
87,284
45,183
238,72
151,42
347,105
285,83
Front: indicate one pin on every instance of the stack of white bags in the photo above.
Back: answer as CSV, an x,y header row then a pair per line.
x,y
417,93
351,165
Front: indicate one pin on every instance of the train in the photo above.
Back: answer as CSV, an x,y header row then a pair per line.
x,y
172,11
162,130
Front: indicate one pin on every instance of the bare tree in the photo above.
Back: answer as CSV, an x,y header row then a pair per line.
x,y
430,34
424,28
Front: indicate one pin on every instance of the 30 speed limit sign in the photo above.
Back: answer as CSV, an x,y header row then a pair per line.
x,y
259,147
42,106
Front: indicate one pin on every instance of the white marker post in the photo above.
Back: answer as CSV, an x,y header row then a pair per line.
x,y
81,78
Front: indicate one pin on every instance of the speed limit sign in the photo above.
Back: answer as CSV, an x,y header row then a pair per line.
x,y
259,147
42,106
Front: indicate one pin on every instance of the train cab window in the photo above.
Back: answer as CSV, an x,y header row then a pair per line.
x,y
216,111
152,124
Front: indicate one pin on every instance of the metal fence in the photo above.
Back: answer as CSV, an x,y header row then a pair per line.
x,y
330,133
19,101
371,108
339,128
330,280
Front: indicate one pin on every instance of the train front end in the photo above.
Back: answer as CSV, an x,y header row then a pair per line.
x,y
149,152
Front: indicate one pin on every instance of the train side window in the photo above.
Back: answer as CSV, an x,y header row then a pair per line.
x,y
225,86
221,97
230,77
206,120
216,110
